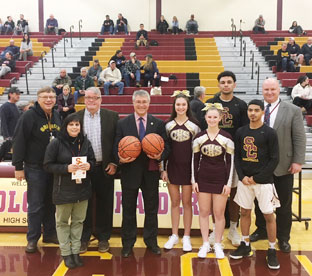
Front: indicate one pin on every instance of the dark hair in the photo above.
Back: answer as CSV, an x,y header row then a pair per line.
x,y
257,102
226,74
189,113
71,118
301,79
28,39
118,51
294,23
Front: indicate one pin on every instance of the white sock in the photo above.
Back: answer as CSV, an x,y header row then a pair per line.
x,y
213,227
174,235
245,239
206,244
186,236
272,245
233,225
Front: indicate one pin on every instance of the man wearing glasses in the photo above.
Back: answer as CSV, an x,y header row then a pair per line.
x,y
34,130
99,125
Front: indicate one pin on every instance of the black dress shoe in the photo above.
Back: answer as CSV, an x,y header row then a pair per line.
x,y
155,249
51,239
31,247
69,261
126,252
77,260
257,235
84,246
284,246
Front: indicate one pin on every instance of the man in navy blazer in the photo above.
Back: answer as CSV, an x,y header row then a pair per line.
x,y
140,173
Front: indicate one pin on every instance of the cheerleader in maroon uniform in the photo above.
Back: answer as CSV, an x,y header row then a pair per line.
x,y
181,130
212,171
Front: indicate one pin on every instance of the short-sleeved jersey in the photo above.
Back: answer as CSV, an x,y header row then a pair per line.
x,y
179,161
213,161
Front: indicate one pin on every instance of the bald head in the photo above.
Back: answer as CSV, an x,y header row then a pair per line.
x,y
309,41
270,90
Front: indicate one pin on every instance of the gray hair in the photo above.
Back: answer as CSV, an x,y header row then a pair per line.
x,y
141,93
83,69
95,90
198,91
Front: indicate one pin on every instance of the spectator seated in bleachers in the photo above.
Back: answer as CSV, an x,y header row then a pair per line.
x,y
21,26
111,76
296,29
175,25
7,64
95,71
26,47
120,61
306,50
14,50
302,94
192,26
108,26
151,72
121,25
162,25
8,26
65,102
141,37
259,25
51,25
284,62
132,70
61,80
82,82
294,50
1,26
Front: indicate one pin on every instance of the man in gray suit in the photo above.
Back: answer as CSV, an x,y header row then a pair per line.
x,y
286,119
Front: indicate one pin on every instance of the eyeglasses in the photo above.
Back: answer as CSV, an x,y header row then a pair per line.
x,y
92,98
48,97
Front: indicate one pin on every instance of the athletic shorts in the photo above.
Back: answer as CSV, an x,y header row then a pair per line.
x,y
234,179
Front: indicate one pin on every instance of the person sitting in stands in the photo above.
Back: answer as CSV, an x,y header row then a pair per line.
x,y
120,61
65,102
1,26
111,76
259,25
192,26
284,62
302,94
21,26
51,25
7,64
296,29
121,24
108,26
151,72
162,25
14,50
9,26
141,37
26,47
175,25
60,81
294,51
82,82
133,70
95,70
306,50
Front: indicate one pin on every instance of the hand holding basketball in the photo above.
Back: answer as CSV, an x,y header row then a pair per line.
x,y
125,160
129,147
153,145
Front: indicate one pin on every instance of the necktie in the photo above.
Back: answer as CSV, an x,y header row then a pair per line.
x,y
141,129
267,115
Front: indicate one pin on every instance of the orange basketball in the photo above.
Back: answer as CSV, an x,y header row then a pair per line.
x,y
153,144
129,146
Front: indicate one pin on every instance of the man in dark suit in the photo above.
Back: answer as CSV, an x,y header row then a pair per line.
x,y
140,173
286,119
100,126
197,105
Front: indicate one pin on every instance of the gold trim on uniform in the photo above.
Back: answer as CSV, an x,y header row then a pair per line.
x,y
211,150
193,128
170,125
198,142
226,143
180,135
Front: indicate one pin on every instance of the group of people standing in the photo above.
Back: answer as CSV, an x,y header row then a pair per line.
x,y
198,156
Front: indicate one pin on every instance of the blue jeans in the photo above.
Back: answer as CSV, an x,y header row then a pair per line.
x,y
120,86
137,77
288,65
105,29
40,207
125,29
77,95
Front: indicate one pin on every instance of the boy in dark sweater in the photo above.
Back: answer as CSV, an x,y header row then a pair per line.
x,y
256,157
141,37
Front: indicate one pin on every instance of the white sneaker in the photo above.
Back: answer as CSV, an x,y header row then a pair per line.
x,y
234,237
212,237
187,246
173,240
218,251
202,253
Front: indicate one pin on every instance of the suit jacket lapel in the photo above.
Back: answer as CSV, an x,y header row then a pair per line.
x,y
281,113
149,124
133,126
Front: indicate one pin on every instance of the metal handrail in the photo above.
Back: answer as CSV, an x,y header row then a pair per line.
x,y
235,35
258,78
27,70
80,26
42,60
252,63
65,40
232,26
244,49
71,35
